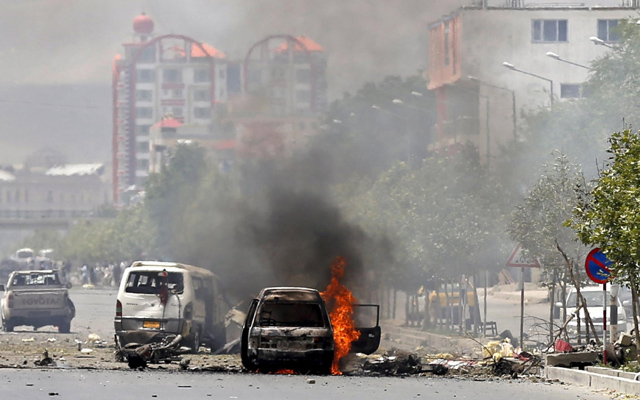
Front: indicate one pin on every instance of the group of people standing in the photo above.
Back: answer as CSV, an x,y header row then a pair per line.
x,y
107,274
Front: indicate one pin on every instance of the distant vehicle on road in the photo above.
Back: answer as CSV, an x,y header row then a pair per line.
x,y
36,298
594,296
158,299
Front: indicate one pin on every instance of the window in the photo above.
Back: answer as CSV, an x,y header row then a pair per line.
x,y
142,129
607,30
143,165
177,112
143,147
202,112
144,95
172,75
303,75
572,91
202,95
148,55
144,112
149,282
202,75
291,314
303,96
176,93
549,30
145,75
446,42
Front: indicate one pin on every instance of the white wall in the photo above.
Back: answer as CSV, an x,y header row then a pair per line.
x,y
491,37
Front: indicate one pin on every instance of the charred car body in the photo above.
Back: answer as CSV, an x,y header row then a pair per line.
x,y
289,327
36,298
158,299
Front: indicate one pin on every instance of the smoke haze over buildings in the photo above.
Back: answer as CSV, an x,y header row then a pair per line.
x,y
48,43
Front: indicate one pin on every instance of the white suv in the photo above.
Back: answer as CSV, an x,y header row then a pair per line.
x,y
593,296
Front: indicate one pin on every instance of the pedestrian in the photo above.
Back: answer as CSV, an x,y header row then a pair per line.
x,y
85,274
92,275
116,274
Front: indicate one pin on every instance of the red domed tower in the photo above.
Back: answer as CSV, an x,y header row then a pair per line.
x,y
143,24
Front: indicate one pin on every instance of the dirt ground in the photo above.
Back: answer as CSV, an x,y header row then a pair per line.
x,y
25,349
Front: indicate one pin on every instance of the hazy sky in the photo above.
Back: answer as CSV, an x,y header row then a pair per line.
x,y
48,43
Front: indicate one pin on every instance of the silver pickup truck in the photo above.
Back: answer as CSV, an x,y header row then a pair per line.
x,y
36,298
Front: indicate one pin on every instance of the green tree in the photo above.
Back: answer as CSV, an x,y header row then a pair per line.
x,y
607,216
170,193
538,225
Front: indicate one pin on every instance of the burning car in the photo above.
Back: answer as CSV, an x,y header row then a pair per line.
x,y
289,327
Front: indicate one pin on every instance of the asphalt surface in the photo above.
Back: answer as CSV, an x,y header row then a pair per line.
x,y
95,385
95,310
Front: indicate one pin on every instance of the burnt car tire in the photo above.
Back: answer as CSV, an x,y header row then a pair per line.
x,y
325,367
219,338
64,327
7,325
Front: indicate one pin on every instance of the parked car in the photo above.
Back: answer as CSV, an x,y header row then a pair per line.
x,y
594,297
36,298
158,299
289,327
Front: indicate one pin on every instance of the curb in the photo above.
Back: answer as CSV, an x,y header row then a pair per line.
x,y
596,378
408,339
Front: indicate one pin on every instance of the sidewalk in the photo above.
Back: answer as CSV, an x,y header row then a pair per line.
x,y
533,294
596,378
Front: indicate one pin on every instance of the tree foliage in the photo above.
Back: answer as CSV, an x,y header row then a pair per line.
x,y
537,223
444,216
608,216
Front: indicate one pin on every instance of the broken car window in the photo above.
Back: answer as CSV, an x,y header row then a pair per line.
x,y
35,280
291,314
149,282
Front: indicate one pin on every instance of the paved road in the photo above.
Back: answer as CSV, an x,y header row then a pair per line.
x,y
95,309
75,384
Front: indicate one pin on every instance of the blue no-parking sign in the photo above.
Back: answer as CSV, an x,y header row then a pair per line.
x,y
597,266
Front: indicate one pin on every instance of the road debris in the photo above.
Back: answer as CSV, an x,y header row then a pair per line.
x,y
137,356
45,361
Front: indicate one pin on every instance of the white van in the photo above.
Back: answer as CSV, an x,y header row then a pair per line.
x,y
158,299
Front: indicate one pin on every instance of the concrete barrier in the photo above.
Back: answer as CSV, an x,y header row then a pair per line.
x,y
593,380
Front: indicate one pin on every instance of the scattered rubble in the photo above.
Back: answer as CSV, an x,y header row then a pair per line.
x,y
137,356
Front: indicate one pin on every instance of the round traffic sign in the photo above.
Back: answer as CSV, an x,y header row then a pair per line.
x,y
597,266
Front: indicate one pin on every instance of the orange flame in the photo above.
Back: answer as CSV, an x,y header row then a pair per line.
x,y
342,300
285,372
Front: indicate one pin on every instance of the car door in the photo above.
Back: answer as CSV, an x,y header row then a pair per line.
x,y
244,338
367,320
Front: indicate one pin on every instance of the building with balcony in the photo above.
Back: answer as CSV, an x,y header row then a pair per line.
x,y
159,75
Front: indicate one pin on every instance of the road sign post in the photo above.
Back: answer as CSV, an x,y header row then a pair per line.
x,y
597,266
516,259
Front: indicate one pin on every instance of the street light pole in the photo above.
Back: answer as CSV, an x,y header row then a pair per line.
x,y
513,68
557,57
513,101
599,42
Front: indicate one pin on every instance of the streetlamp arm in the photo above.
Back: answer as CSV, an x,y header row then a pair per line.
x,y
534,75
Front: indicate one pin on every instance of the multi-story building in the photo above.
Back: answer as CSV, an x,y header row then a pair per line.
x,y
284,93
157,76
288,73
492,60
